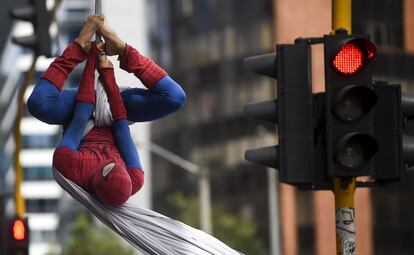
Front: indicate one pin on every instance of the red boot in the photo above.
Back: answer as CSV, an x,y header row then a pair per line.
x,y
60,68
143,67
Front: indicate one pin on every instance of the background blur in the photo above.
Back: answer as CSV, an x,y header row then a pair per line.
x,y
201,44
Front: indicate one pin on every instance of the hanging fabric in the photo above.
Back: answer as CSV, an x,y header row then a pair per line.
x,y
148,231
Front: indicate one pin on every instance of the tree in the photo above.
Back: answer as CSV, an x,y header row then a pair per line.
x,y
87,238
237,232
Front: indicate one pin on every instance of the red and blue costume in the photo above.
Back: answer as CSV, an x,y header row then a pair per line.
x,y
105,161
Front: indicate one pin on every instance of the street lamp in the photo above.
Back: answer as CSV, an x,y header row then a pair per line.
x,y
203,181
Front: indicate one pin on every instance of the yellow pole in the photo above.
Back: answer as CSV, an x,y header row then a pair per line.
x,y
19,201
341,15
344,188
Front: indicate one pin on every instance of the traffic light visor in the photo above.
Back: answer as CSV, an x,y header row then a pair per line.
x,y
353,103
19,230
352,55
355,149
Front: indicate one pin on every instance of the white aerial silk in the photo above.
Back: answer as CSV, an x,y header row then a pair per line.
x,y
148,231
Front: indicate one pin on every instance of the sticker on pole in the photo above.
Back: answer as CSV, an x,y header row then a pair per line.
x,y
345,230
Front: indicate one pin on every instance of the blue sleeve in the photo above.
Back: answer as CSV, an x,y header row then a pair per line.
x,y
146,105
125,144
50,105
73,134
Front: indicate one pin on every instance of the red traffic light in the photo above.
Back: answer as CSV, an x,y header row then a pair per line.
x,y
19,229
353,55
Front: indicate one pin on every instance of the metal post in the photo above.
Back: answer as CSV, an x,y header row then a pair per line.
x,y
273,212
203,181
344,188
341,14
205,200
19,201
98,10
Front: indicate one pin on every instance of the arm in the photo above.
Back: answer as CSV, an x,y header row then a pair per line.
x,y
85,100
120,127
163,95
48,102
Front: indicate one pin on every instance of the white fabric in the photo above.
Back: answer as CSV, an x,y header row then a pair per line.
x,y
102,113
148,231
102,116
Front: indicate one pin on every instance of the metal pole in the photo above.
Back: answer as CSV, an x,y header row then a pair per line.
x,y
203,181
19,201
98,10
341,14
273,212
344,188
205,200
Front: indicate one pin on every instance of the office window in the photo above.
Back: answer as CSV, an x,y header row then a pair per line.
x,y
42,236
41,205
381,19
39,141
37,173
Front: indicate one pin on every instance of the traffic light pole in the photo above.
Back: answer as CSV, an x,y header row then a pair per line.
x,y
344,188
19,201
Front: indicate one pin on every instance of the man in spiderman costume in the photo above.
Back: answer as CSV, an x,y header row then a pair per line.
x,y
104,161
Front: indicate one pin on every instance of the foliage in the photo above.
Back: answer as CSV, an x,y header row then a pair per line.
x,y
237,232
87,238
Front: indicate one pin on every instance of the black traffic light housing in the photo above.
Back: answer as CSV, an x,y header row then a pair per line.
x,y
350,100
388,123
37,14
407,108
353,129
18,236
299,153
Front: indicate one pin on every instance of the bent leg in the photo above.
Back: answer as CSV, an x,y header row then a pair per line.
x,y
85,102
48,104
164,98
121,130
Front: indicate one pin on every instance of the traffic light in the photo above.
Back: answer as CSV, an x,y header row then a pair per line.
x,y
298,155
350,100
18,236
407,105
388,124
37,14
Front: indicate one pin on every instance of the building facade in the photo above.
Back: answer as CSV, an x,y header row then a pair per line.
x,y
202,45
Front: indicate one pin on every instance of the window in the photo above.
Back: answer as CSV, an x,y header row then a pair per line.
x,y
42,236
39,141
37,173
381,20
41,205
